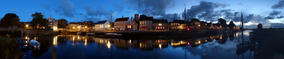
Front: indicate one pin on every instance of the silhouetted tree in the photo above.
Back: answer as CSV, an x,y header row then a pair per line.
x,y
62,23
222,22
195,20
10,20
143,17
39,22
232,25
259,26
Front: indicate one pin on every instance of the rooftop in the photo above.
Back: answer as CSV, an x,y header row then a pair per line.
x,y
101,22
122,19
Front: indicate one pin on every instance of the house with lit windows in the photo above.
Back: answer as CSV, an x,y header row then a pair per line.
x,y
52,24
102,26
194,24
120,24
178,25
145,23
160,25
74,26
132,25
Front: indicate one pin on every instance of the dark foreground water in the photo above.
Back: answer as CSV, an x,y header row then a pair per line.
x,y
223,46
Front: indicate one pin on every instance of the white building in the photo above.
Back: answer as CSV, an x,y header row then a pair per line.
x,y
102,26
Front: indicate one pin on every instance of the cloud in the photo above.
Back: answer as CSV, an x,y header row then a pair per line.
x,y
277,25
66,8
91,11
209,11
205,10
255,19
97,14
274,15
93,18
279,5
171,17
151,7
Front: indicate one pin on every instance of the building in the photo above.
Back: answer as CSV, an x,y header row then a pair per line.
x,y
161,25
136,17
217,27
145,23
132,25
102,26
178,25
74,26
121,23
194,24
53,24
203,25
89,25
27,25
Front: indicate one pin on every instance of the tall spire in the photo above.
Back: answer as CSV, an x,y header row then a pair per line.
x,y
110,18
242,20
185,16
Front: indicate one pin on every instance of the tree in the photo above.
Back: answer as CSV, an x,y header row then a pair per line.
x,y
259,26
222,22
10,20
89,23
62,23
195,20
38,22
232,25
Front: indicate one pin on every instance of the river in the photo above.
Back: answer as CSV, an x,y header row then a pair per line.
x,y
223,46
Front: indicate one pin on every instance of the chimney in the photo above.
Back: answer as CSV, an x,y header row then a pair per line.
x,y
136,17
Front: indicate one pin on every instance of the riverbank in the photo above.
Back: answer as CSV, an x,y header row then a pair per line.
x,y
159,35
10,34
270,43
120,34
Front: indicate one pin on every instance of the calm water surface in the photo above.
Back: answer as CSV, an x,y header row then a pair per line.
x,y
223,46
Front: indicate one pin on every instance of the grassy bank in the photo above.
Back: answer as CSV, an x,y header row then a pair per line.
x,y
270,43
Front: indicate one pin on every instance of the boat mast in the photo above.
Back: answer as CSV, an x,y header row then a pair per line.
x,y
242,21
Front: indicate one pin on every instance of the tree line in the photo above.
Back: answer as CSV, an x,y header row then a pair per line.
x,y
11,20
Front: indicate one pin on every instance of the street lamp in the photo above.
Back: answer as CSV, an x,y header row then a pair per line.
x,y
55,28
27,26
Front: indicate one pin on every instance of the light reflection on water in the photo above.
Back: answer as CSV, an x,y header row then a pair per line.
x,y
80,47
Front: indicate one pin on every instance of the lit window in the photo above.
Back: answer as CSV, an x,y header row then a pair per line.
x,y
160,24
129,26
78,27
73,27
108,25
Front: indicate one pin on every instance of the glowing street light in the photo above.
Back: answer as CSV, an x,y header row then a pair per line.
x,y
108,25
129,41
180,27
79,27
55,28
27,26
